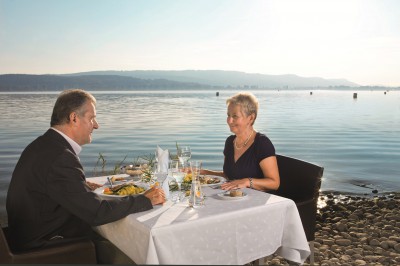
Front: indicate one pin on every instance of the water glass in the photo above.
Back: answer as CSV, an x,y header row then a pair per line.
x,y
196,197
195,168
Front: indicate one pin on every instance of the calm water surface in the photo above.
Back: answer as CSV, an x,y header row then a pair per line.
x,y
356,140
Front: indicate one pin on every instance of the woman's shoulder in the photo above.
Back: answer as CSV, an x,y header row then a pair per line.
x,y
262,137
264,145
230,138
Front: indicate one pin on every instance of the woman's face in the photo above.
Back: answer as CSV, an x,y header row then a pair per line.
x,y
237,121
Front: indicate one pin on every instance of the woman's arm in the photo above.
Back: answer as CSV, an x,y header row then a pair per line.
x,y
271,180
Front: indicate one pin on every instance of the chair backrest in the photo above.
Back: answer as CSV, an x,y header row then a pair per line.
x,y
81,251
300,180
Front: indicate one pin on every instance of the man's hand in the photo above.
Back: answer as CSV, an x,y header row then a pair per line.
x,y
156,195
93,186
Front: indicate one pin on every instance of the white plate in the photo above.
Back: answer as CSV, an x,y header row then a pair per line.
x,y
125,179
226,196
221,180
100,191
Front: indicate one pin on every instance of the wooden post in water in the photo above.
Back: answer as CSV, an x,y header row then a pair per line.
x,y
310,92
217,93
355,95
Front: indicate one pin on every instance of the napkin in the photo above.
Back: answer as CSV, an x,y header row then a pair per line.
x,y
165,187
162,160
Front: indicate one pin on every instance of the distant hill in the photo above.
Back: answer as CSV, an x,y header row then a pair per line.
x,y
25,82
229,78
156,79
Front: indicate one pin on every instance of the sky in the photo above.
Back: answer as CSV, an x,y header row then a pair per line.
x,y
357,40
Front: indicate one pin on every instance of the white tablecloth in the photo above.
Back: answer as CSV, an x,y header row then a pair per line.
x,y
221,232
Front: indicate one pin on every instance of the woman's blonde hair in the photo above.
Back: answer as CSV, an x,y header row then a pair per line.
x,y
247,101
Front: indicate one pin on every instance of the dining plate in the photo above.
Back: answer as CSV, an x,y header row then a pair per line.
x,y
100,191
227,196
218,180
116,183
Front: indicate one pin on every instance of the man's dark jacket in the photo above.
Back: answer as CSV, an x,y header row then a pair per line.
x,y
48,196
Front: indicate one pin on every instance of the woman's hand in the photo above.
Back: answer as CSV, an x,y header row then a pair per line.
x,y
156,195
235,184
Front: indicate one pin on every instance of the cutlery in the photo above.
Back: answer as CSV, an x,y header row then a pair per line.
x,y
109,181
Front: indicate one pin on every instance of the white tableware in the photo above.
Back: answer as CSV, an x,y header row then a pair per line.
x,y
100,192
221,180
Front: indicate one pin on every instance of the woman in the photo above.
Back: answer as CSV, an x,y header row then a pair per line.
x,y
249,156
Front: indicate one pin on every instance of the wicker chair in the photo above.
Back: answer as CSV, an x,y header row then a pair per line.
x,y
77,252
301,181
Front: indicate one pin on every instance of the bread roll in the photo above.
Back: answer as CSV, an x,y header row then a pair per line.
x,y
236,193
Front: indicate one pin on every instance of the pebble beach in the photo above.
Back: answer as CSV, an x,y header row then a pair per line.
x,y
355,230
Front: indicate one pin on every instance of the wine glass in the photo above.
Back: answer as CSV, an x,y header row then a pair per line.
x,y
184,154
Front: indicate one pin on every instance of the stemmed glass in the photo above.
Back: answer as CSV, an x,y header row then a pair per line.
x,y
184,154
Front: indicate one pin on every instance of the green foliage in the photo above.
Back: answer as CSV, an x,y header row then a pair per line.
x,y
103,161
117,166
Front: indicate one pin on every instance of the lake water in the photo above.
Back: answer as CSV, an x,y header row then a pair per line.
x,y
357,141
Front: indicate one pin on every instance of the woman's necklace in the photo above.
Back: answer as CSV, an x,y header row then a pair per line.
x,y
245,143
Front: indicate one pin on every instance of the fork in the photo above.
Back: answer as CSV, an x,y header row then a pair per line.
x,y
109,181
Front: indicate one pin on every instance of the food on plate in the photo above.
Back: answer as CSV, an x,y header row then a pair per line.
x,y
134,170
236,193
187,178
124,190
92,185
209,180
173,185
113,179
204,180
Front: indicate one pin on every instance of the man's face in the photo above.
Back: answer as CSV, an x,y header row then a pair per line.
x,y
86,124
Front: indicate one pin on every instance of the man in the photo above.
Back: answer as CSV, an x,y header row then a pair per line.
x,y
48,199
